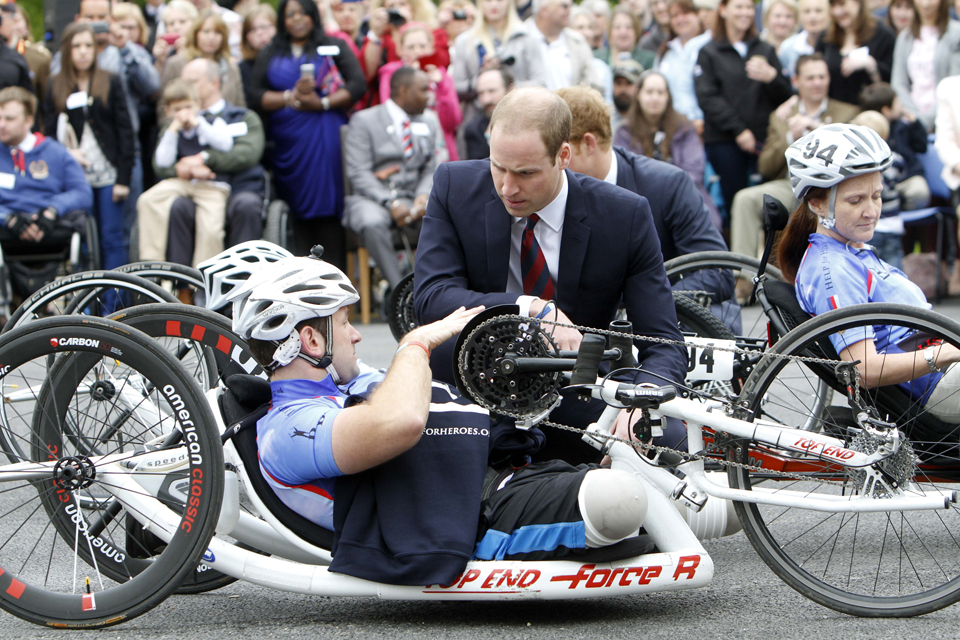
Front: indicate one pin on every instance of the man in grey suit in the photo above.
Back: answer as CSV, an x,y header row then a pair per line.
x,y
390,160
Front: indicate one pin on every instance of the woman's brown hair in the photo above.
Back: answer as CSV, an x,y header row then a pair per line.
x,y
644,131
720,28
634,22
684,6
866,26
793,241
65,82
943,18
260,11
192,51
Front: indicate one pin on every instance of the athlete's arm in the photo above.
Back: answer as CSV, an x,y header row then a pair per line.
x,y
392,421
881,369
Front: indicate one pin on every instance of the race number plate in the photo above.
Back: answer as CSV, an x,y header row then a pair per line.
x,y
706,363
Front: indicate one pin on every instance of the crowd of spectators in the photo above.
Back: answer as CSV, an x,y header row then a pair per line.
x,y
177,112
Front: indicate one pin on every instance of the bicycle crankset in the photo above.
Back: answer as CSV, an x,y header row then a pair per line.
x,y
496,336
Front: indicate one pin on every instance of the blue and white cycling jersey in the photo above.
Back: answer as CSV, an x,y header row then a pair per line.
x,y
294,441
833,275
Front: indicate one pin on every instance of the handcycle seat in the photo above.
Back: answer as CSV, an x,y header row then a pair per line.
x,y
247,399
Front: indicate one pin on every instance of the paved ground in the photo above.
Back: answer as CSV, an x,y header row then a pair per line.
x,y
745,601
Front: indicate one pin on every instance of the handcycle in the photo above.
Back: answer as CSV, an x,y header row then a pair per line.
x,y
871,533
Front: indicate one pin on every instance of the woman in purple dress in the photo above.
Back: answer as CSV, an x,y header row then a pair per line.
x,y
304,82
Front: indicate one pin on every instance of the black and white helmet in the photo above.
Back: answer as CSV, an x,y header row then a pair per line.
x,y
281,295
832,153
226,271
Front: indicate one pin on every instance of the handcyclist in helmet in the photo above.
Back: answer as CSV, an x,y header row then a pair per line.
x,y
227,270
835,173
413,479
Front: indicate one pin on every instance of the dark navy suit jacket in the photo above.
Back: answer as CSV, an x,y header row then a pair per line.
x,y
679,213
609,252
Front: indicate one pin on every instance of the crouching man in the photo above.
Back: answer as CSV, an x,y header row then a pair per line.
x,y
413,478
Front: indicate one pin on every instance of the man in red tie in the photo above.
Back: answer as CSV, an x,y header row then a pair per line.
x,y
390,155
520,228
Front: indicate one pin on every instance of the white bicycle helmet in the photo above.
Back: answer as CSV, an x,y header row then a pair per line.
x,y
829,155
226,271
281,295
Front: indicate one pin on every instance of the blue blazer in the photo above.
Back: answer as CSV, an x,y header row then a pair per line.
x,y
609,252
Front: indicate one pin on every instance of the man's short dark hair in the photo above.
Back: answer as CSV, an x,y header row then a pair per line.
x,y
263,350
505,76
876,96
21,95
810,57
402,77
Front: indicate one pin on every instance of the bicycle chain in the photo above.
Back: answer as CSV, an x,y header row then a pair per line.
x,y
637,446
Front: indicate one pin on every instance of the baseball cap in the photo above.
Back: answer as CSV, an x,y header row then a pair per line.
x,y
629,69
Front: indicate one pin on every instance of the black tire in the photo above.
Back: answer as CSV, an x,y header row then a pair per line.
x,y
212,332
695,318
886,564
99,366
180,277
400,315
88,285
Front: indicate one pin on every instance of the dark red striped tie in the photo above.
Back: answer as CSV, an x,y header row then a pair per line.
x,y
533,265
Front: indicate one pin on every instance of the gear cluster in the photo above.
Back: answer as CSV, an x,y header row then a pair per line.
x,y
883,478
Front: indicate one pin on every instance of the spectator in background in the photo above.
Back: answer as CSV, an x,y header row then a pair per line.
x,y
779,22
259,27
640,9
908,139
925,54
814,18
152,10
415,43
568,57
232,19
239,167
800,115
173,30
601,12
626,83
858,49
36,55
655,130
46,185
900,15
304,113
583,22
380,46
349,17
498,39
208,39
948,148
87,113
678,59
623,40
739,85
390,159
188,135
131,27
130,21
707,12
659,28
455,17
492,85
14,70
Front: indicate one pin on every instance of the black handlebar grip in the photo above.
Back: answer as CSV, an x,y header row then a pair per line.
x,y
588,359
625,345
643,397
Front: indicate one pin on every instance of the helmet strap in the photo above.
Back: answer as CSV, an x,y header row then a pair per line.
x,y
290,349
830,221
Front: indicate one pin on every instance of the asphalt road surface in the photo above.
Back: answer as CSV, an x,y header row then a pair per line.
x,y
746,601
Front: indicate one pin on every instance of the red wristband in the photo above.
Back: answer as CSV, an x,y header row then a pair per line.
x,y
416,344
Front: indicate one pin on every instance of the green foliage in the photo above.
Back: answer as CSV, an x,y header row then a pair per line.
x,y
35,15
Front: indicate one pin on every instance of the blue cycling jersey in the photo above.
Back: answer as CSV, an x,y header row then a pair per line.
x,y
833,275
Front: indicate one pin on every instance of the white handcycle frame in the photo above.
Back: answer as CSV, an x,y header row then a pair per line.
x,y
680,562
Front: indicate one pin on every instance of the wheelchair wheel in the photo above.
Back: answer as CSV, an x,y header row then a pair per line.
x,y
101,293
886,564
400,314
716,274
696,319
72,552
171,276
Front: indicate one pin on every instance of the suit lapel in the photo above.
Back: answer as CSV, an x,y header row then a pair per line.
x,y
573,245
386,125
497,223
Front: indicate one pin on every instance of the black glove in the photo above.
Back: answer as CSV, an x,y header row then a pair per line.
x,y
44,223
17,223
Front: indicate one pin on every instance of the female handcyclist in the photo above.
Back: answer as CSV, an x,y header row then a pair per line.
x,y
836,176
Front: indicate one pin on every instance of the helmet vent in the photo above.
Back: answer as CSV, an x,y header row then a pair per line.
x,y
319,300
348,289
300,287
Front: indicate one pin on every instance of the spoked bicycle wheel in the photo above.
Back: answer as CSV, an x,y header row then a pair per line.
x,y
71,553
92,293
889,564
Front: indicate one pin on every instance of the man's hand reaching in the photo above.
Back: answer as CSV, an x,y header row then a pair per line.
x,y
436,333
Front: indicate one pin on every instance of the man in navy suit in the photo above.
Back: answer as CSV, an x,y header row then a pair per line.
x,y
522,229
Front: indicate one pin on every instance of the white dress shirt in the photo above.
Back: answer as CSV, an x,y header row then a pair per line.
x,y
548,232
397,115
612,174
